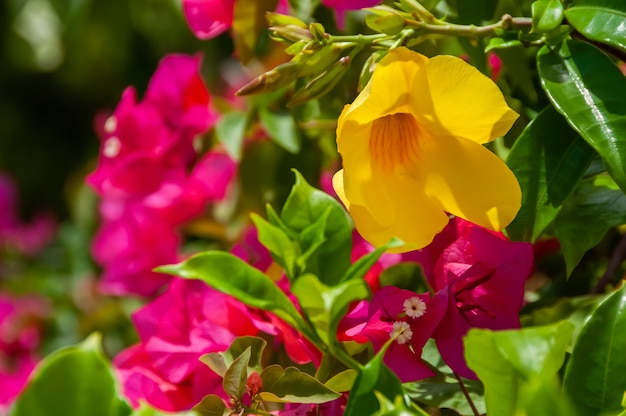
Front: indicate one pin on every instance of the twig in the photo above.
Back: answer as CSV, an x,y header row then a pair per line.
x,y
466,394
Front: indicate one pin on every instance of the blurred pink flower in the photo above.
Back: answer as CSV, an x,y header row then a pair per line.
x,y
482,274
342,6
21,321
187,321
412,317
150,178
209,18
26,238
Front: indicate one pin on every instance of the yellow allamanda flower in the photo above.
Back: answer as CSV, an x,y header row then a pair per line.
x,y
411,145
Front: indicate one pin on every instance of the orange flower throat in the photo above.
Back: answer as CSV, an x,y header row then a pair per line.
x,y
394,142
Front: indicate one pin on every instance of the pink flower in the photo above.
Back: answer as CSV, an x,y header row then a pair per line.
x,y
482,274
397,312
21,321
187,321
150,178
26,238
209,18
341,6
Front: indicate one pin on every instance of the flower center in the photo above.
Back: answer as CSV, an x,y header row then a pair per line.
x,y
394,141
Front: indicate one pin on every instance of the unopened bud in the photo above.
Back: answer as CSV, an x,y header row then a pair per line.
x,y
318,32
277,19
317,62
290,33
321,84
272,80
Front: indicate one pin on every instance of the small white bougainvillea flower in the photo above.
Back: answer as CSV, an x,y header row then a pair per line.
x,y
403,332
414,307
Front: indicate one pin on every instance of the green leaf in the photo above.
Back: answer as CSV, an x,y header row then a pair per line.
x,y
500,43
596,206
548,159
325,306
600,20
147,410
547,15
511,363
304,206
219,362
211,405
248,23
230,130
312,238
595,379
73,381
447,393
231,275
278,243
281,128
236,376
291,385
342,381
374,377
590,91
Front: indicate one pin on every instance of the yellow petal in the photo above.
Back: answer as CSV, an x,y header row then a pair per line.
x,y
415,218
389,91
452,98
471,182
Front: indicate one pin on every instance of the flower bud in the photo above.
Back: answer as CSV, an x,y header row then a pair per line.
x,y
318,32
272,80
321,84
316,62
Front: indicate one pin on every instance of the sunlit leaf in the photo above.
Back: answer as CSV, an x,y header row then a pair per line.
x,y
294,386
595,378
599,20
590,91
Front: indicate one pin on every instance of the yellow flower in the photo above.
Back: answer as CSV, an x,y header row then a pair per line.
x,y
411,149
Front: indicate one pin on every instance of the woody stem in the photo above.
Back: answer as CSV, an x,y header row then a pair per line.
x,y
466,394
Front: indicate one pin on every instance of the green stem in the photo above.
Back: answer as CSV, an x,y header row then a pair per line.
x,y
507,22
467,395
362,40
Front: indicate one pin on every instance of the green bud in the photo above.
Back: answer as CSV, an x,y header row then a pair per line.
x,y
316,62
277,19
290,33
272,80
321,84
318,32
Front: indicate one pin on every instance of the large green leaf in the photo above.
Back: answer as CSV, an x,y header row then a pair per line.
x,y
600,20
595,378
596,206
511,364
548,159
231,275
590,91
304,207
279,244
547,15
73,381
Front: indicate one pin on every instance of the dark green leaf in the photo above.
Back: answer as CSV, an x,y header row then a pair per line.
x,y
405,275
248,23
230,131
590,91
73,381
510,363
596,206
293,386
303,207
233,276
548,159
375,376
595,378
547,15
281,128
211,405
600,20
236,376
